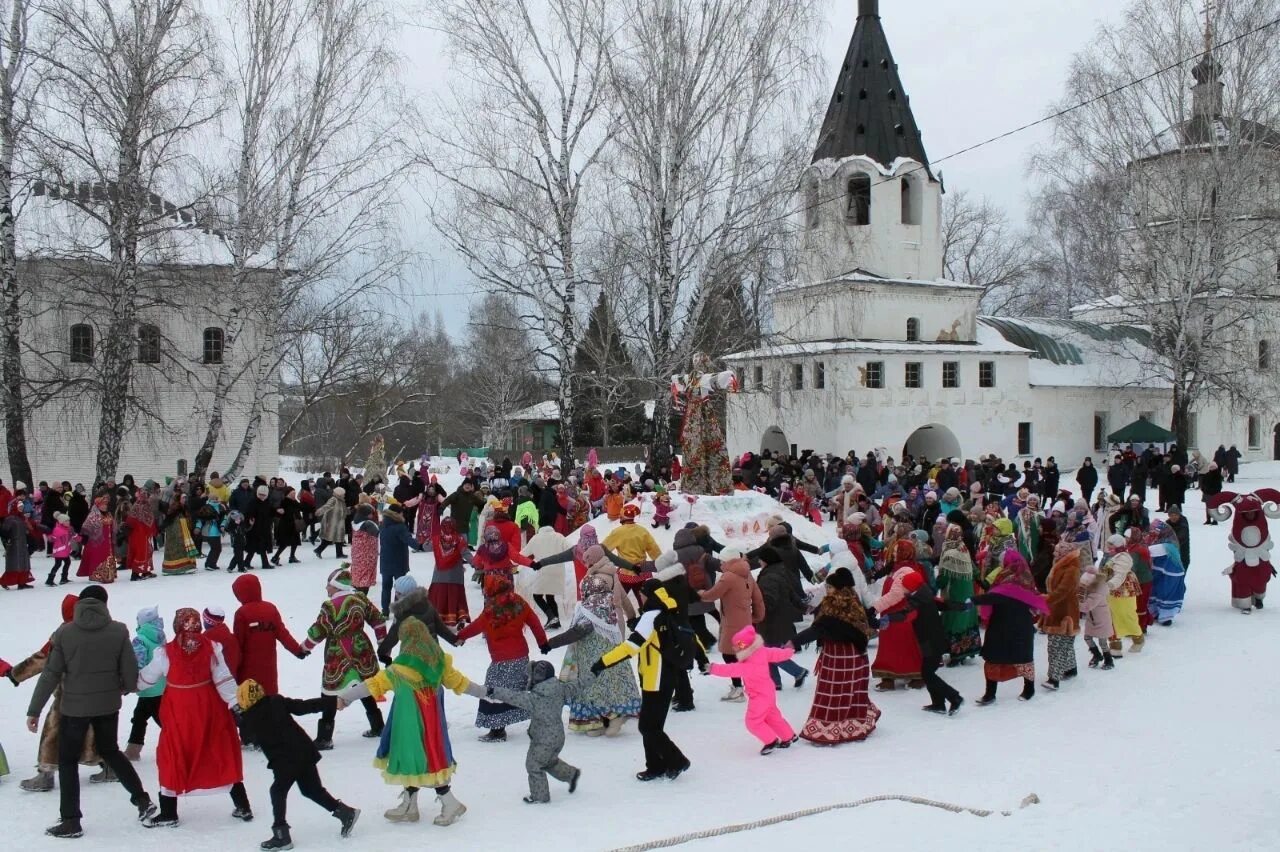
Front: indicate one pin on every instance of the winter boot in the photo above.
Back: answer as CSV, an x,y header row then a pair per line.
x,y
768,749
407,810
324,735
955,705
573,781
105,776
885,685
1070,673
988,697
800,678
1051,684
346,815
1096,656
451,810
49,582
1116,648
1257,601
41,782
935,708
1136,644
495,735
146,808
280,838
676,772
1028,690
133,751
613,726
242,814
734,694
1108,662
67,828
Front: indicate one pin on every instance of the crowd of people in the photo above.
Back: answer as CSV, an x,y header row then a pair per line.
x,y
936,564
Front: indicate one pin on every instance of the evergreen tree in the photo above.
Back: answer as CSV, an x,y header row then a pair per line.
x,y
609,409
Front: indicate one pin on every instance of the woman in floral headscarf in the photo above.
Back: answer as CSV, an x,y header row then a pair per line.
x,y
97,559
598,625
956,585
447,592
898,654
1009,644
503,622
199,747
414,749
496,557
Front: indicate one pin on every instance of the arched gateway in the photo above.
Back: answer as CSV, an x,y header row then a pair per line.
x,y
932,441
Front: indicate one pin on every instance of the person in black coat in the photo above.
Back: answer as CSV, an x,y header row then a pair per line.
x,y
260,518
789,549
1118,477
1182,530
1138,481
1087,479
931,635
1210,486
267,720
288,527
783,607
1052,479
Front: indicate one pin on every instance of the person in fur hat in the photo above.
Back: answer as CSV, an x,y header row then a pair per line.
x,y
741,605
750,662
291,756
544,701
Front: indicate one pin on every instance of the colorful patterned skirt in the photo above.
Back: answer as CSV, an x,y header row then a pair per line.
x,y
613,693
842,711
179,549
509,674
1000,672
414,750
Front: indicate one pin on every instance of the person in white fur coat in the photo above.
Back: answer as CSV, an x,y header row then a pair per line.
x,y
546,585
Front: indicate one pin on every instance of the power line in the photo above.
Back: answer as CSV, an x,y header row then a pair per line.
x,y
1207,52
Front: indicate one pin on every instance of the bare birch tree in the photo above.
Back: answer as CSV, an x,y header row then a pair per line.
x,y
129,86
332,158
709,95
981,247
1198,245
519,152
16,95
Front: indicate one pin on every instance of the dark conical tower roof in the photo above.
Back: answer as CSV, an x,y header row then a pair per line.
x,y
870,113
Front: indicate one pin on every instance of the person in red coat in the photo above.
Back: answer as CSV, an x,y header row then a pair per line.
x,y
257,628
503,622
199,748
216,630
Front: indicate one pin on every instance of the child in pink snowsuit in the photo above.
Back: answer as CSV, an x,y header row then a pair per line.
x,y
764,720
662,510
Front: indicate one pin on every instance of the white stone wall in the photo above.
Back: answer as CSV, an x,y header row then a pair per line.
x,y
62,434
838,310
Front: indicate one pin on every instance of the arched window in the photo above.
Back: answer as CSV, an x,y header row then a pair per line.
x,y
213,345
81,347
913,329
859,210
908,203
148,344
1264,355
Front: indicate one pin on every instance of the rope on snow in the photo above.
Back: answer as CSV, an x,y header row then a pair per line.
x,y
1031,799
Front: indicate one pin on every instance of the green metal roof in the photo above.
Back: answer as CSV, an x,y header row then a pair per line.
x,y
1047,337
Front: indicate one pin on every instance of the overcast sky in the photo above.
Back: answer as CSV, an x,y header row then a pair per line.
x,y
973,69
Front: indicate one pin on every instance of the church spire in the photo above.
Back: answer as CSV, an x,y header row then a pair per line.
x,y
869,113
1206,94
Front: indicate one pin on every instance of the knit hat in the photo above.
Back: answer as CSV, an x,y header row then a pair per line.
x,y
150,615
62,517
403,585
1173,508
1116,540
340,579
69,607
263,491
857,519
1004,525
744,637
249,693
952,495
339,492
731,552
212,616
94,592
541,670
629,513
913,581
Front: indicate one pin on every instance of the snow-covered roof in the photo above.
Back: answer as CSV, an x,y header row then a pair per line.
x,y
1072,353
989,342
862,276
546,410
54,222
1204,133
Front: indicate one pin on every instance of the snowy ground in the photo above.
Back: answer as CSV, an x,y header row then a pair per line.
x,y
1175,748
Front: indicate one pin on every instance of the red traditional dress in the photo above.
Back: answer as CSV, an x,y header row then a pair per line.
x,y
97,559
898,653
142,530
199,746
447,592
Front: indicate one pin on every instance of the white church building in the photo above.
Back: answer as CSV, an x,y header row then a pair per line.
x,y
871,347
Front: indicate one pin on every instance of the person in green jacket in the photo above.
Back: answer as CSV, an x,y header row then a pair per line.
x,y
150,636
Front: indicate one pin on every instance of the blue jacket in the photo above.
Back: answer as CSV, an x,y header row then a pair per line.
x,y
394,541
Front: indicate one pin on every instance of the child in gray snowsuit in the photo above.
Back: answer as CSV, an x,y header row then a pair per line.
x,y
544,700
